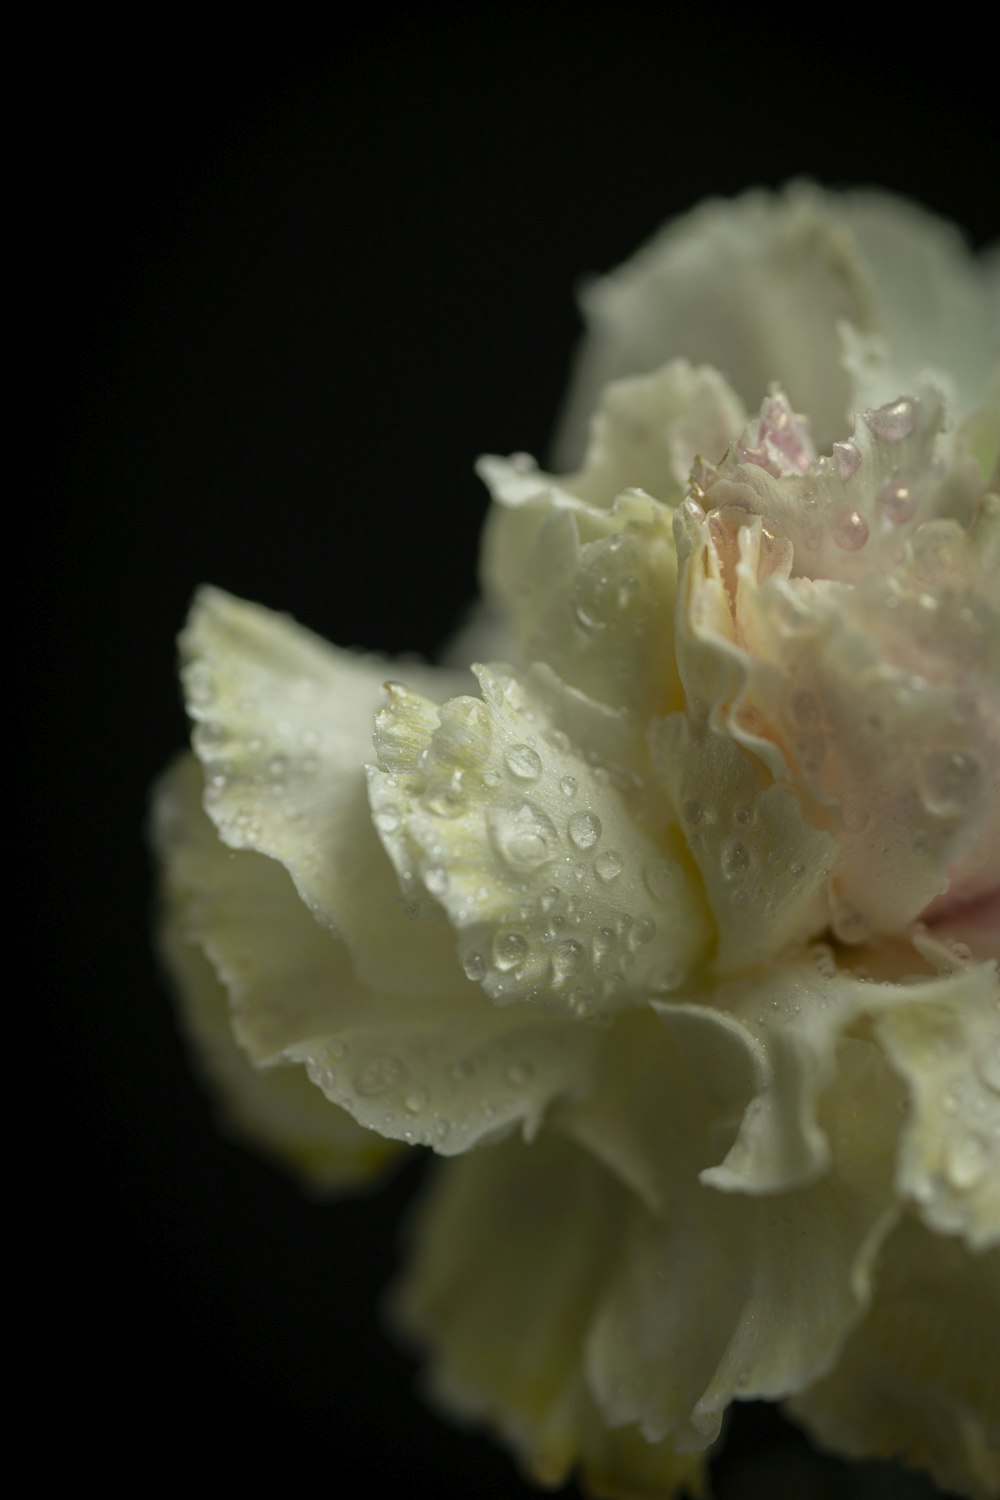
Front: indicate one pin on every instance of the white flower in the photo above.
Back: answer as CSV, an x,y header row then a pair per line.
x,y
678,930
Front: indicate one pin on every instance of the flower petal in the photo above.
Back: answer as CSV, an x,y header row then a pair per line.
x,y
284,725
447,1070
947,1051
918,1380
589,591
764,867
687,1325
563,874
755,288
511,1251
276,1108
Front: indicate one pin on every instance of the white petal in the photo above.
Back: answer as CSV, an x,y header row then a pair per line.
x,y
284,725
933,309
448,1070
559,871
724,1296
755,288
945,1045
919,1380
764,867
589,591
511,1251
277,1107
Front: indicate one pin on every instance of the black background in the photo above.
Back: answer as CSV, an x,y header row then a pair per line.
x,y
283,286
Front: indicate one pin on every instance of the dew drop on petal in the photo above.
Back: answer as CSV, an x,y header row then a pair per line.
x,y
436,880
417,1101
519,1073
474,965
379,1075
642,932
735,860
848,458
950,782
523,762
608,866
895,421
850,531
568,786
693,811
967,1161
896,501
584,829
660,878
568,958
509,950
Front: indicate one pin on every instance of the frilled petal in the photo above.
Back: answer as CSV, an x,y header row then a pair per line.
x,y
277,1108
511,1251
755,288
283,729
765,869
935,316
945,1045
448,1070
876,702
919,1379
686,1326
760,288
588,591
558,865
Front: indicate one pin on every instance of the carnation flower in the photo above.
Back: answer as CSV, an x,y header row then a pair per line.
x,y
673,927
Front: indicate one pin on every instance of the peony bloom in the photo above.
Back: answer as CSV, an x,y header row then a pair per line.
x,y
674,930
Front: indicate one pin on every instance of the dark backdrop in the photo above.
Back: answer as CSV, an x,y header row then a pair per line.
x,y
283,286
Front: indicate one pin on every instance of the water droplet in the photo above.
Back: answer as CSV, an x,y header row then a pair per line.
x,y
523,762
474,965
848,459
519,1073
661,880
735,860
568,786
896,501
442,1130
693,811
525,838
509,950
568,958
608,865
379,1075
743,815
895,421
850,531
950,782
643,931
436,879
584,829
967,1160
417,1101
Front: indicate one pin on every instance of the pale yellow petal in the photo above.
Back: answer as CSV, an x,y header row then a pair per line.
x,y
446,1071
510,1253
919,1380
946,1048
276,1108
559,866
283,730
